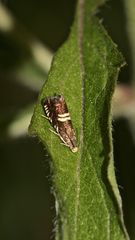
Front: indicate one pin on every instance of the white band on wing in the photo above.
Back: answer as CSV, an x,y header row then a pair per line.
x,y
64,119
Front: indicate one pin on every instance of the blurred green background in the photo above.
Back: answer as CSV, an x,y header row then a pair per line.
x,y
29,33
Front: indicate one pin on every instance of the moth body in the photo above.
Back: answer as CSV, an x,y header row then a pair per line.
x,y
56,111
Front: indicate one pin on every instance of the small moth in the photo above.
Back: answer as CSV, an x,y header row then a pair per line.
x,y
57,113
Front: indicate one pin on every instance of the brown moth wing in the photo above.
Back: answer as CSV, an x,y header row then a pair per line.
x,y
57,112
50,110
67,134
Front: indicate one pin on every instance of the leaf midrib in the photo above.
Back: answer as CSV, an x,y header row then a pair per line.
x,y
80,28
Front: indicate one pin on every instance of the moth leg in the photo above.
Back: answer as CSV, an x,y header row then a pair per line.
x,y
44,116
54,132
62,143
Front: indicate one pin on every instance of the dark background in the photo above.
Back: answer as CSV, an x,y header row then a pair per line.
x,y
27,205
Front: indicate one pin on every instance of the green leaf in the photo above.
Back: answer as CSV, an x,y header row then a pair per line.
x,y
84,70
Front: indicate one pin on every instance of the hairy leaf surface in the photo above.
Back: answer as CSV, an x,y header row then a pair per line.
x,y
84,70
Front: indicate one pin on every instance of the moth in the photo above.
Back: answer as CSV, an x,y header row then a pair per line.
x,y
56,111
